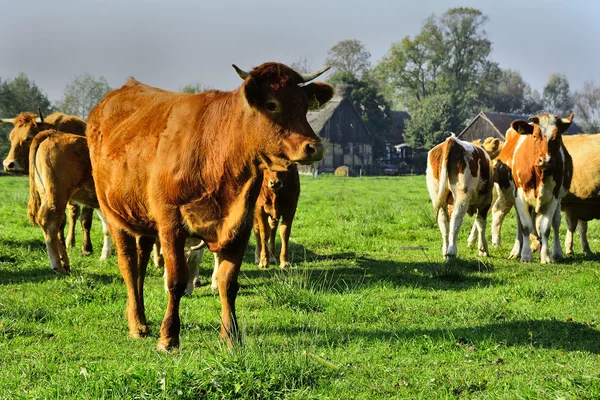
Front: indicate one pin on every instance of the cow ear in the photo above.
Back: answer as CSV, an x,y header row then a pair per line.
x,y
522,127
253,93
318,92
567,121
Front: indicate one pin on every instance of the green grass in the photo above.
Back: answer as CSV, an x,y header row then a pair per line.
x,y
368,311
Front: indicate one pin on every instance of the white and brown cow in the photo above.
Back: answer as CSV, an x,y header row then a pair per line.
x,y
541,169
460,180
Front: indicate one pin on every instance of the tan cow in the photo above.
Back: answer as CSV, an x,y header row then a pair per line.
x,y
459,180
278,199
59,172
191,165
541,170
25,127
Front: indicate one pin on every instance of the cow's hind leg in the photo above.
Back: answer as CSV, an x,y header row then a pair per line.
x,y
556,249
50,219
215,275
73,215
480,221
582,227
273,223
460,208
107,243
128,263
173,248
443,224
86,217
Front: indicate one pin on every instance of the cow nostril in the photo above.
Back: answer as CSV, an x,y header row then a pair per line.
x,y
10,165
310,149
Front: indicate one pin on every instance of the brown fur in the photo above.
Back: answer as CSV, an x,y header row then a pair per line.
x,y
275,205
191,165
59,171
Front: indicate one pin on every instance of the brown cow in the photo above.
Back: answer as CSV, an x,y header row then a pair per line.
x,y
541,170
459,180
59,172
25,127
278,199
191,165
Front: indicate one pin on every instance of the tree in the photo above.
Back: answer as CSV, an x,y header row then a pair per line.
x,y
349,56
557,95
513,95
371,104
16,96
587,107
302,65
82,94
431,122
194,88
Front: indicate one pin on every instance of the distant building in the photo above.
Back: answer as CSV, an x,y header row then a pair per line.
x,y
495,124
396,150
346,139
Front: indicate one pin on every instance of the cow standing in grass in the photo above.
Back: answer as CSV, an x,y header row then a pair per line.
x,y
25,128
459,180
277,201
175,165
542,170
60,172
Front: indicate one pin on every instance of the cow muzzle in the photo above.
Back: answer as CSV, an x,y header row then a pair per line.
x,y
275,184
12,166
545,163
311,152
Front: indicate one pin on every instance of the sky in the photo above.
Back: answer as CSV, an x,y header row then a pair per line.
x,y
169,44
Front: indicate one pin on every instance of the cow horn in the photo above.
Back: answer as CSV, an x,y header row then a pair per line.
x,y
535,120
41,118
313,75
567,120
243,74
7,121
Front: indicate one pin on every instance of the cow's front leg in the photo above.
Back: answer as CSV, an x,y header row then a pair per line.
x,y
73,215
527,226
443,224
582,227
86,217
172,244
557,254
481,220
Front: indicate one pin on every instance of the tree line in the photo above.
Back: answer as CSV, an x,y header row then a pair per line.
x,y
443,76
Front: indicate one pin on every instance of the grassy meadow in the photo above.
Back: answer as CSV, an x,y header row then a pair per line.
x,y
369,310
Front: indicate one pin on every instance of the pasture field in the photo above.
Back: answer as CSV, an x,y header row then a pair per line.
x,y
369,310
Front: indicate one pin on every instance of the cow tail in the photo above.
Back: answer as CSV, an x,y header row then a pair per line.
x,y
34,197
443,174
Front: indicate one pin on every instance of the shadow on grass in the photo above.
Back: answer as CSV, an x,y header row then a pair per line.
x,y
548,333
29,244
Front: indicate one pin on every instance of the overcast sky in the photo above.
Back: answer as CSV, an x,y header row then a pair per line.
x,y
171,43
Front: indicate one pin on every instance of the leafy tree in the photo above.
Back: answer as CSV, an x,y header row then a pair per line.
x,y
557,96
371,104
194,88
16,96
349,56
587,107
82,94
431,122
513,95
532,102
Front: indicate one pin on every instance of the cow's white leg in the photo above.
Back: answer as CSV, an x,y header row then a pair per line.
x,y
473,235
527,226
516,250
500,210
443,223
193,260
159,261
107,244
556,249
455,222
215,285
482,242
582,227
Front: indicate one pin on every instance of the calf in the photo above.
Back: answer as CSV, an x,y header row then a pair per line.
x,y
25,127
59,172
459,179
278,199
541,169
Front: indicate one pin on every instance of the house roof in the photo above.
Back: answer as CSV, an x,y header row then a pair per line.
x,y
501,122
318,118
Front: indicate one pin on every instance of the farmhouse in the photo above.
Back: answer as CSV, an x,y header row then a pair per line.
x,y
396,150
346,139
495,124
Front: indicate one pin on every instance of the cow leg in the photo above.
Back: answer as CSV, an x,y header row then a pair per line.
x,y
50,219
159,261
516,250
571,222
177,278
500,210
143,249
214,284
272,235
481,221
61,232
443,224
527,226
265,233
455,222
582,227
556,249
127,251
257,238
473,235
73,211
229,268
193,259
107,242
86,217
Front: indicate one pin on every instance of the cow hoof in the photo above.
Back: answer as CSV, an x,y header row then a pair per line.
x,y
86,253
214,287
513,256
483,253
69,243
167,345
285,265
450,257
263,265
526,259
140,332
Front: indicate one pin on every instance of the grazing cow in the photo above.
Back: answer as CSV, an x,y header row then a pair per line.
x,y
191,165
278,199
541,169
459,179
25,127
59,172
582,203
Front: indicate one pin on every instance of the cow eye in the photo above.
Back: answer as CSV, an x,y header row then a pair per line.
x,y
271,106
